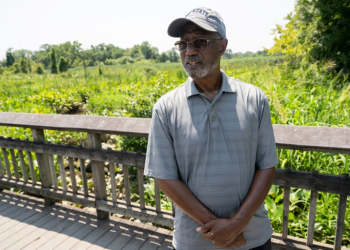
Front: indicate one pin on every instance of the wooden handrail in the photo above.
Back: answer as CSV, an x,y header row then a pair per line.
x,y
78,123
323,139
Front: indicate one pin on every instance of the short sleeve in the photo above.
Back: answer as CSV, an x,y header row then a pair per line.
x,y
266,156
160,158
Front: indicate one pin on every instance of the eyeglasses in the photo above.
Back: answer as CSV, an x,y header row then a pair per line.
x,y
200,43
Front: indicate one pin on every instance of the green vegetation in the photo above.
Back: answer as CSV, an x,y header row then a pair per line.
x,y
53,63
317,32
101,54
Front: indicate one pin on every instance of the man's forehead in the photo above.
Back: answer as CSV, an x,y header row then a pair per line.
x,y
191,28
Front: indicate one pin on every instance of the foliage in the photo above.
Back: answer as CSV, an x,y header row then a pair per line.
x,y
53,62
39,69
23,65
125,60
317,32
10,60
62,66
230,55
332,32
106,54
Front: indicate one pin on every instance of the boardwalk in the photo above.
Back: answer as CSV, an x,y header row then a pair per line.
x,y
25,223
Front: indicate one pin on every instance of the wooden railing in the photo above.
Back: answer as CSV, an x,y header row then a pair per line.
x,y
323,139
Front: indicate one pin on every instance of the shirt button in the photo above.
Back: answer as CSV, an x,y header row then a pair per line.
x,y
214,118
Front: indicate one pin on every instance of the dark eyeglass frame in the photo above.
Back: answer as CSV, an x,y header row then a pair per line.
x,y
193,43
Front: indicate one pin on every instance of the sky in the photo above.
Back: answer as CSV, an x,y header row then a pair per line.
x,y
28,24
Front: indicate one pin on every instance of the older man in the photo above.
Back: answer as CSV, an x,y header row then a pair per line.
x,y
211,145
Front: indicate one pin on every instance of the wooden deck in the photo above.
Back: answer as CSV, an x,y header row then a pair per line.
x,y
25,223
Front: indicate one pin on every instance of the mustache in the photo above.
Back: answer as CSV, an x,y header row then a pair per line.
x,y
194,58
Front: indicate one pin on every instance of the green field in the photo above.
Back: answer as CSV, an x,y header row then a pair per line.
x,y
309,97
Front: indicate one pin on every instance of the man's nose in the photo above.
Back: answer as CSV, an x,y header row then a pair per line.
x,y
191,50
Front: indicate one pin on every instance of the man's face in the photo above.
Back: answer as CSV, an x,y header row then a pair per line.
x,y
200,63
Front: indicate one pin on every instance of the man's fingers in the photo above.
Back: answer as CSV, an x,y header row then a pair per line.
x,y
206,236
238,242
204,228
226,242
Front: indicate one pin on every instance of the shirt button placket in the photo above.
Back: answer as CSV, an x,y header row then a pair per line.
x,y
213,118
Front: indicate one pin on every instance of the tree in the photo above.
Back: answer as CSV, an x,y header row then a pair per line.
x,y
53,62
38,69
173,55
29,64
228,54
62,66
146,50
317,31
163,57
23,65
10,60
22,53
332,32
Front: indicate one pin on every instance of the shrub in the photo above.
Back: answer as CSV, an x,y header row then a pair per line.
x,y
111,62
10,60
39,69
125,60
23,65
77,62
53,63
62,66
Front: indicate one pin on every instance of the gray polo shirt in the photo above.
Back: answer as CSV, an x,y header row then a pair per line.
x,y
214,148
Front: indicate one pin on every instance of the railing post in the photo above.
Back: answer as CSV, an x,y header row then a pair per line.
x,y
285,210
1,173
312,214
340,217
43,164
98,174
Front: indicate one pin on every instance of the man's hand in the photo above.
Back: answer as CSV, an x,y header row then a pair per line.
x,y
224,233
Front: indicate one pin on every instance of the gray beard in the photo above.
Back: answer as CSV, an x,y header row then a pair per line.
x,y
205,70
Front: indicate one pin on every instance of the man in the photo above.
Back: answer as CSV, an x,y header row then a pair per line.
x,y
211,145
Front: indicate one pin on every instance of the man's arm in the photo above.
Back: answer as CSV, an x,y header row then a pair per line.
x,y
224,231
182,196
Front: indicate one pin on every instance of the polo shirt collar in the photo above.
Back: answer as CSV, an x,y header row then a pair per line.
x,y
227,85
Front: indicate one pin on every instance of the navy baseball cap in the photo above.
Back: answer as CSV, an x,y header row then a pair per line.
x,y
205,18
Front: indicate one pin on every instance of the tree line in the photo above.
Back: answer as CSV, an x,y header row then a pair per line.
x,y
59,58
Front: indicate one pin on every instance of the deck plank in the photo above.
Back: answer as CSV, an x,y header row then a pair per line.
x,y
26,223
80,220
156,239
113,233
140,238
167,244
48,235
33,233
96,234
11,236
128,238
23,217
80,234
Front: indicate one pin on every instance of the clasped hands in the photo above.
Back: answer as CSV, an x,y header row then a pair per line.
x,y
224,233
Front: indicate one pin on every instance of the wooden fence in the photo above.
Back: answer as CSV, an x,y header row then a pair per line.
x,y
322,139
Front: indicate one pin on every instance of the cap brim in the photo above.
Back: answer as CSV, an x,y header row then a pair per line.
x,y
174,29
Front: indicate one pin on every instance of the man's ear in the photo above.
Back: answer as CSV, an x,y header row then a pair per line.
x,y
223,46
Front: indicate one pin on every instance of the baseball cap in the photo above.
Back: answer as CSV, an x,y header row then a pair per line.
x,y
205,18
